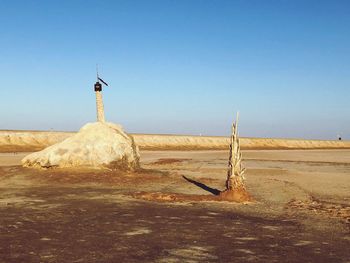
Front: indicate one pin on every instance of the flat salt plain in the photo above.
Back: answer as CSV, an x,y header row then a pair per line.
x,y
301,211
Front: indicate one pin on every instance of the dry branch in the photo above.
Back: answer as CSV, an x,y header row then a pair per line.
x,y
235,173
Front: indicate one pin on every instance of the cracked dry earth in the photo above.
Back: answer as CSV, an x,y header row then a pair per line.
x,y
300,213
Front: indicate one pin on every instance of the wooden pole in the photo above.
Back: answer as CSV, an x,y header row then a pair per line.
x,y
99,107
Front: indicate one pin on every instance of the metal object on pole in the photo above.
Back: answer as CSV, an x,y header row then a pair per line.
x,y
99,101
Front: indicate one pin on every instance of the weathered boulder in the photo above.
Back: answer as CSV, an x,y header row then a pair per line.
x,y
96,145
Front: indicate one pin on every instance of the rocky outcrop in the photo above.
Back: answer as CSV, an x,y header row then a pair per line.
x,y
96,145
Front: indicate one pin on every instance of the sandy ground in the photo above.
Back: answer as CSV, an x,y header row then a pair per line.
x,y
23,141
301,211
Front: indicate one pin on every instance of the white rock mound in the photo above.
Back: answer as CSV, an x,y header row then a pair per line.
x,y
96,145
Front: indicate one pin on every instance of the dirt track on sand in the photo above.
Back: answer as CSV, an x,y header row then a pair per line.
x,y
301,212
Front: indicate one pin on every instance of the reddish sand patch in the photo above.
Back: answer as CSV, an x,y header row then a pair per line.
x,y
169,161
172,197
238,195
230,196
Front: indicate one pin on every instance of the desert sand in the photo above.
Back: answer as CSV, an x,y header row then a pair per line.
x,y
22,141
300,212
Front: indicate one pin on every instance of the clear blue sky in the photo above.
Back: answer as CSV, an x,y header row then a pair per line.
x,y
181,67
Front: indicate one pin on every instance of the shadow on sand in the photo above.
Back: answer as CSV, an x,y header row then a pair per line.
x,y
203,186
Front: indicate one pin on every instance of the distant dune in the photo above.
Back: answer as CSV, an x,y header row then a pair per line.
x,y
22,141
182,142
